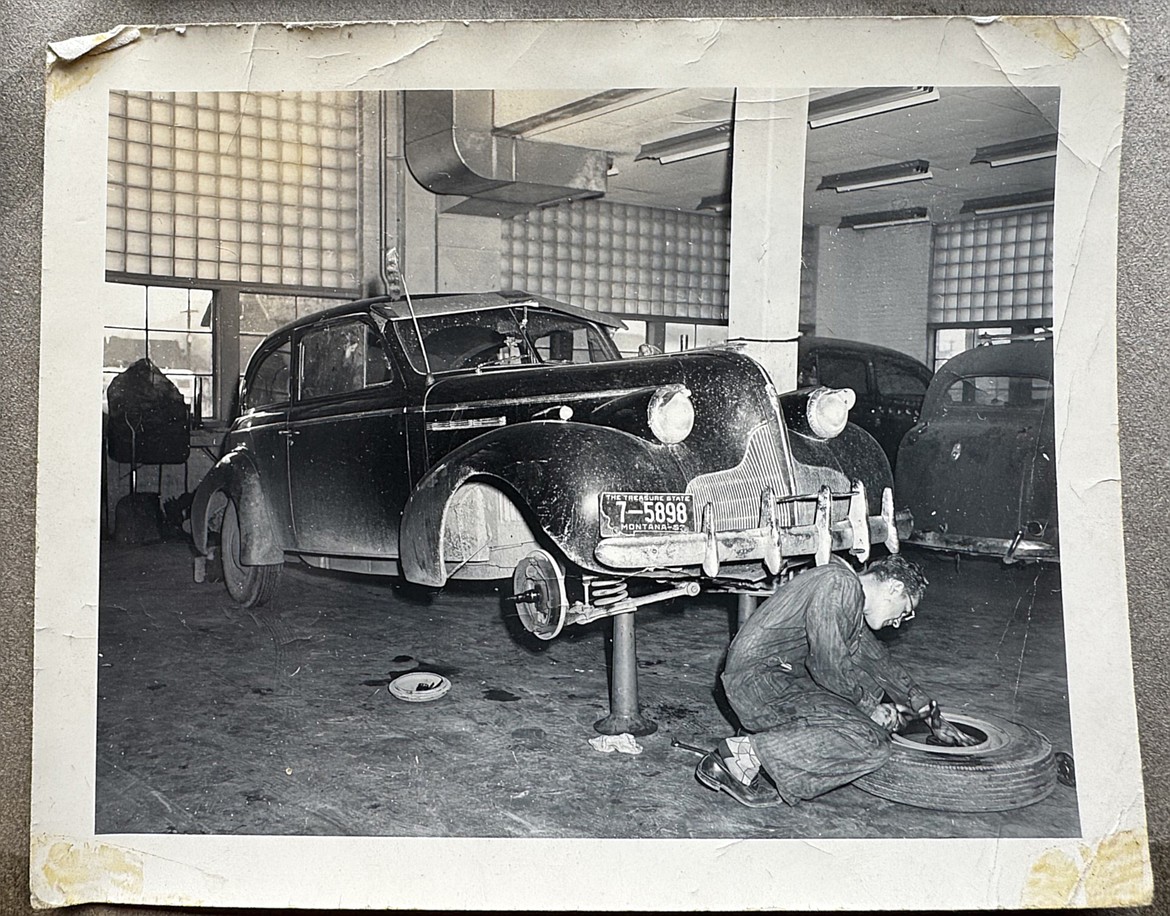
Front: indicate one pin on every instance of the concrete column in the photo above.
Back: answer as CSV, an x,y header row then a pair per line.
x,y
767,215
226,350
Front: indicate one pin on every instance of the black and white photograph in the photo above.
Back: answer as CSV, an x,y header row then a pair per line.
x,y
577,455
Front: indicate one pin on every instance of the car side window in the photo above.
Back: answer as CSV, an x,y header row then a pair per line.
x,y
340,357
893,379
269,383
838,371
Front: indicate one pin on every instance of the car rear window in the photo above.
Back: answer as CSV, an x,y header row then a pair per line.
x,y
999,391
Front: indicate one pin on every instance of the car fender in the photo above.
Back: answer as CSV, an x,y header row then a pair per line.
x,y
236,477
553,470
836,462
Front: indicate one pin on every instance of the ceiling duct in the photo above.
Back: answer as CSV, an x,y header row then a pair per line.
x,y
451,149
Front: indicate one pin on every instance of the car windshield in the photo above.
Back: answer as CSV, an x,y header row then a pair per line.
x,y
998,391
512,336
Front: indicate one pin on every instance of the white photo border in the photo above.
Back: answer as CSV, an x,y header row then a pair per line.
x,y
1085,57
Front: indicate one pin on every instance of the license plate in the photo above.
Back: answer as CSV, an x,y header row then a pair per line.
x,y
646,513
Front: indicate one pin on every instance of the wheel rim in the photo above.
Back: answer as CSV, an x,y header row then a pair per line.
x,y
539,572
913,738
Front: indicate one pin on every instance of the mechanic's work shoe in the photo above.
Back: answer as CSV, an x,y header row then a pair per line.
x,y
758,793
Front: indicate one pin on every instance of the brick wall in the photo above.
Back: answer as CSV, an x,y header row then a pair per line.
x,y
873,285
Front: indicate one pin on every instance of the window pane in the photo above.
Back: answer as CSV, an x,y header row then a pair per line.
x,y
176,309
631,337
949,342
999,391
123,306
261,313
180,350
333,360
310,305
679,336
710,335
123,347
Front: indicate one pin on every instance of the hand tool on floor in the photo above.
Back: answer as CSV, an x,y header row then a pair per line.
x,y
701,751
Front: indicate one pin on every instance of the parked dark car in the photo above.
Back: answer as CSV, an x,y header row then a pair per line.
x,y
490,435
979,469
889,384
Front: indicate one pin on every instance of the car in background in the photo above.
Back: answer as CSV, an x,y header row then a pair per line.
x,y
488,435
889,384
978,471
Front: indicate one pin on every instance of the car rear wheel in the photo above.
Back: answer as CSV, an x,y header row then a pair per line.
x,y
251,586
1010,767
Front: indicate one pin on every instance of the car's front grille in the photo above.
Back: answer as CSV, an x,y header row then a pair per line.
x,y
735,492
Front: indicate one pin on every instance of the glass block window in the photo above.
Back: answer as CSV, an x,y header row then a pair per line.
x,y
258,188
619,258
995,269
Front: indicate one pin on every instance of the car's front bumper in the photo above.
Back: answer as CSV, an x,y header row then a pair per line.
x,y
771,542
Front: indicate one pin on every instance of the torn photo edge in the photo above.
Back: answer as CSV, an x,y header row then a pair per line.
x,y
1085,57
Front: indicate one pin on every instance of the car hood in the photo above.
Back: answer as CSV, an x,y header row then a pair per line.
x,y
730,391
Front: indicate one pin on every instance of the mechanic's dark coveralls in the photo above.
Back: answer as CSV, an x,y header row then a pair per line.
x,y
804,673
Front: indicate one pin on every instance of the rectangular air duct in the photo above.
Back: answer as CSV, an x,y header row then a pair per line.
x,y
451,149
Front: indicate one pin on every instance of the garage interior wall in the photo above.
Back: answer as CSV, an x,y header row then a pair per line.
x,y
873,285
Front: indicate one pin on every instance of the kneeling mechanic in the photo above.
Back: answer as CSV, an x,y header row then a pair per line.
x,y
816,690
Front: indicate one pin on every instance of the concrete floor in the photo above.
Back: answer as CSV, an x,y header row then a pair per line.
x,y
217,719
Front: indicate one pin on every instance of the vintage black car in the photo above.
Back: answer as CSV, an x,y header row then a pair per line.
x,y
979,469
890,385
500,434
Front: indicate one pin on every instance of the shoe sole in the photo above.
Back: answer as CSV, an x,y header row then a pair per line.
x,y
715,784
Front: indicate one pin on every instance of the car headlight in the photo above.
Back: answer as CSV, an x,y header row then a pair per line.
x,y
671,414
828,410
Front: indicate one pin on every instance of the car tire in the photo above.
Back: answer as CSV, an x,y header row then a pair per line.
x,y
1012,767
251,586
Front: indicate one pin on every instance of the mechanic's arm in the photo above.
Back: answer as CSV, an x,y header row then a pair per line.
x,y
833,615
874,658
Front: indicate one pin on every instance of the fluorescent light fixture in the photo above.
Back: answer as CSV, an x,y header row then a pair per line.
x,y
720,203
906,217
899,173
1010,203
714,139
861,103
1017,151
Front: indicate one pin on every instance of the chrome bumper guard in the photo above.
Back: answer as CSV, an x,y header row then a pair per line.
x,y
771,542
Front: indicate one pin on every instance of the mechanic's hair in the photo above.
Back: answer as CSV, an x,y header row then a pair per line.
x,y
898,567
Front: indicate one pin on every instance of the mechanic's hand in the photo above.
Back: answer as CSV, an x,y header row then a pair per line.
x,y
888,717
949,734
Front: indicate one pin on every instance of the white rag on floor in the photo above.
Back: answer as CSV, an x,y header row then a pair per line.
x,y
623,743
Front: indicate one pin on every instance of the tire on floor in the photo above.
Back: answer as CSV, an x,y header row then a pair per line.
x,y
1012,767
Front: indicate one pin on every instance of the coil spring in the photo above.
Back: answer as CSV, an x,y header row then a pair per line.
x,y
606,592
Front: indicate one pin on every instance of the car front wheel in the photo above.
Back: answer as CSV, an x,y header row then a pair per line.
x,y
251,586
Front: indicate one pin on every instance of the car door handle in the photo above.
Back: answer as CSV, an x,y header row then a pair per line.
x,y
290,432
